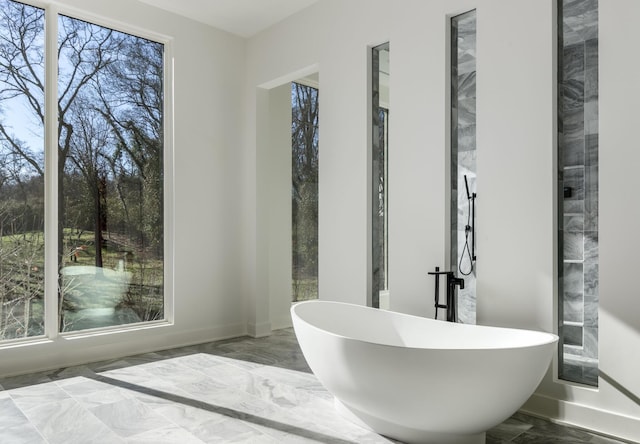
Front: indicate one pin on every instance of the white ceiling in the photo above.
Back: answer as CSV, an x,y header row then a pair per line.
x,y
242,17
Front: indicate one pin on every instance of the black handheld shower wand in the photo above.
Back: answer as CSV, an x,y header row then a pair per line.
x,y
469,228
466,185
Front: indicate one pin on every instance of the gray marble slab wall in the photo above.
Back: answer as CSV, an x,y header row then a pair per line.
x,y
463,155
578,188
379,169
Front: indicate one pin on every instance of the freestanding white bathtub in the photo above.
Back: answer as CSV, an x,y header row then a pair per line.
x,y
416,379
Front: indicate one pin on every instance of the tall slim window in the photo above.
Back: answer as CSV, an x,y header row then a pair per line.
x,y
109,192
578,190
304,191
380,176
463,160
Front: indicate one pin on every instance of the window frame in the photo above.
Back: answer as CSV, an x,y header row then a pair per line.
x,y
52,11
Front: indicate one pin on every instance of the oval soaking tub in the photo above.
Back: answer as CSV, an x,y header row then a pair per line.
x,y
416,379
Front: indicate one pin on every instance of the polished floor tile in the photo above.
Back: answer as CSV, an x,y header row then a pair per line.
x,y
242,390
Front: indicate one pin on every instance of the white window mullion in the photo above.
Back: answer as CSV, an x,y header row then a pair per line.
x,y
51,172
169,174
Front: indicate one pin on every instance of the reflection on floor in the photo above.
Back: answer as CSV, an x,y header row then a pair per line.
x,y
240,390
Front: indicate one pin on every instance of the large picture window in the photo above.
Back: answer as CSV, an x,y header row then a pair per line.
x,y
109,177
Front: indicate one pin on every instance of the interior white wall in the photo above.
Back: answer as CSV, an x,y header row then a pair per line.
x,y
418,138
280,240
302,45
619,161
208,109
619,323
257,241
515,142
516,161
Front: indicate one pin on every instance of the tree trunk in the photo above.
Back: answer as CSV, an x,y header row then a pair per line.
x,y
98,222
61,222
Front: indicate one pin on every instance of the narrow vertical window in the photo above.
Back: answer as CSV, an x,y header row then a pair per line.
x,y
110,177
379,170
463,160
21,170
304,191
578,190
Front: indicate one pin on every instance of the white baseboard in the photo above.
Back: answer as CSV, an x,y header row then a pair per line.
x,y
62,352
585,417
282,322
259,330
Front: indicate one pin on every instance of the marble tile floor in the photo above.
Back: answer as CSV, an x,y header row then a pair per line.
x,y
242,390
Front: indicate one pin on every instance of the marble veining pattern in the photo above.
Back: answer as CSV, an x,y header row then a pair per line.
x,y
463,155
379,166
242,390
578,173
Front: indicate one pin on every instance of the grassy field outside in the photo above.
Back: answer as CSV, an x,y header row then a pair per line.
x,y
305,289
131,283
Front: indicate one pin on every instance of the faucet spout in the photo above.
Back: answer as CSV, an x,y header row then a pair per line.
x,y
452,300
458,282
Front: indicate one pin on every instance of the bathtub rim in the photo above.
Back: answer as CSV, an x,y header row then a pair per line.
x,y
551,338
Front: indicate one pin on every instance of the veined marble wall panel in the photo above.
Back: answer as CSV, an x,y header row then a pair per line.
x,y
463,156
578,176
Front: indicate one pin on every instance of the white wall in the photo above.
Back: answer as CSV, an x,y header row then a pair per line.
x,y
515,140
418,149
301,46
279,208
516,161
208,108
619,210
619,323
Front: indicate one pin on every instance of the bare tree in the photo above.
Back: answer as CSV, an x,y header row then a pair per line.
x,y
110,121
21,169
131,99
84,50
90,147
